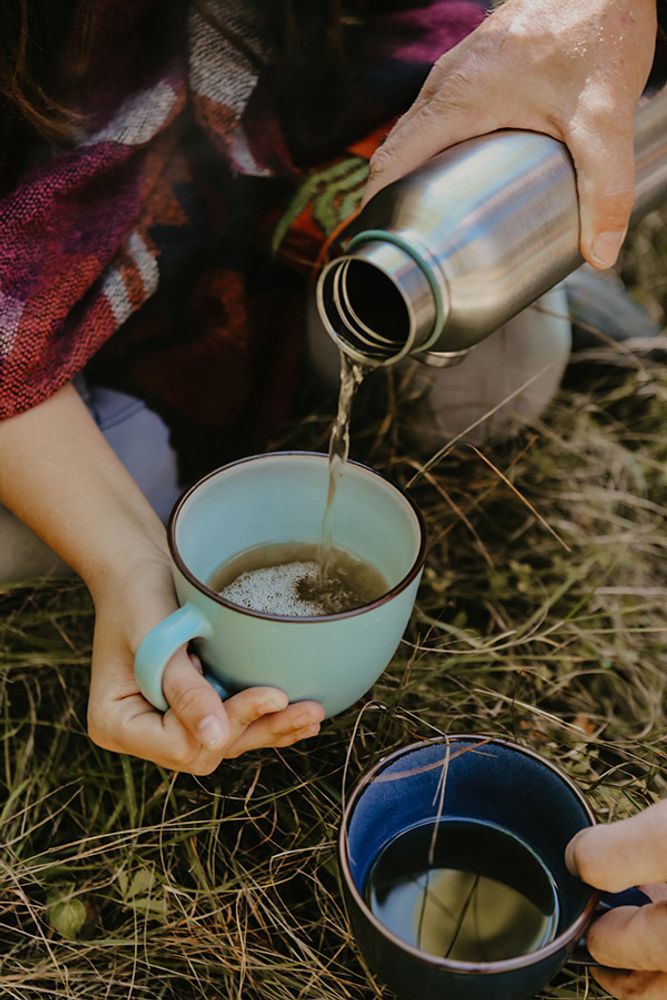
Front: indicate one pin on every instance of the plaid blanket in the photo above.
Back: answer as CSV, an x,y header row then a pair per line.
x,y
144,252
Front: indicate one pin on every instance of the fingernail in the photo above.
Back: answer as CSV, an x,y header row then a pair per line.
x,y
211,732
570,859
606,248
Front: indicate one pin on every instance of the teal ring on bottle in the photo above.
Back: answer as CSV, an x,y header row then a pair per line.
x,y
399,241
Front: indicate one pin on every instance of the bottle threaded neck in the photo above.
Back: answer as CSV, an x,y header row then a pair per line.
x,y
376,303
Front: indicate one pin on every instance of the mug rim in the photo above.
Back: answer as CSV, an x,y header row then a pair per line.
x,y
571,933
385,598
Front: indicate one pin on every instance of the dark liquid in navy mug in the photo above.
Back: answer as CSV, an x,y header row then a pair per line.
x,y
473,892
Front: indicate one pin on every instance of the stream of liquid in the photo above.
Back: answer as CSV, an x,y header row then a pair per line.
x,y
351,376
307,579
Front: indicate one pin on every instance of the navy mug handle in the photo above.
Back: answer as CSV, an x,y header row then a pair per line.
x,y
608,901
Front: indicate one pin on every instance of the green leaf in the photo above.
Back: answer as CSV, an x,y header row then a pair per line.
x,y
141,894
65,912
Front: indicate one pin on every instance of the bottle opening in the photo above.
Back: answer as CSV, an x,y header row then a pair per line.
x,y
365,312
375,303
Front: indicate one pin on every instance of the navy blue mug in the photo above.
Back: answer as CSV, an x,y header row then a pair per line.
x,y
487,781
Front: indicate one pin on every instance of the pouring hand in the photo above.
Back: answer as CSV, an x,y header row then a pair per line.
x,y
617,857
574,70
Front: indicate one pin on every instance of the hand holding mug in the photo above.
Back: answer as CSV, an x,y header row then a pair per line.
x,y
630,943
498,788
251,505
199,730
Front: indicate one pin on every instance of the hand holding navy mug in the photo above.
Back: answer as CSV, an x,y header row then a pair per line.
x,y
630,943
524,812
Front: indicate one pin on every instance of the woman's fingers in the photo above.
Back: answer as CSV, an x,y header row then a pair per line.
x,y
184,739
299,721
603,154
256,718
617,857
194,702
621,855
632,985
218,727
448,111
631,937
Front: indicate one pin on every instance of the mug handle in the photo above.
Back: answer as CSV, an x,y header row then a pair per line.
x,y
608,901
156,649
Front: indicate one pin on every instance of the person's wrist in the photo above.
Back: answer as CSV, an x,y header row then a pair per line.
x,y
136,549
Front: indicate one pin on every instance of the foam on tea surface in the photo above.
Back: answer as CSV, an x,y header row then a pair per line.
x,y
286,579
275,590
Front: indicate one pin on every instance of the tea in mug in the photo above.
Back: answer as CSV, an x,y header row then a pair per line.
x,y
285,579
476,894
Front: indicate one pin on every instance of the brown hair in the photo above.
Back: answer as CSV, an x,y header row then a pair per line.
x,y
312,78
39,38
34,36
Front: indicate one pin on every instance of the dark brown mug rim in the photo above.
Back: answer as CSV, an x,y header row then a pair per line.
x,y
566,937
403,583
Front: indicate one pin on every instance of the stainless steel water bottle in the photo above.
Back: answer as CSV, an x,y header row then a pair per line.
x,y
441,258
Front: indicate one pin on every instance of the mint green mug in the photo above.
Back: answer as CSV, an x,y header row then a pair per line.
x,y
280,497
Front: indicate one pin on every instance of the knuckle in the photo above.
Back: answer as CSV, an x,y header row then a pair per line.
x,y
287,740
443,69
453,95
613,207
245,719
184,698
433,115
595,941
380,161
443,66
183,752
248,707
600,112
606,110
589,865
246,715
617,206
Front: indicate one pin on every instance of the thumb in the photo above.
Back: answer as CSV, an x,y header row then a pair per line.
x,y
194,702
621,855
605,166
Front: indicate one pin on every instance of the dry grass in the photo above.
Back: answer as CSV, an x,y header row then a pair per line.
x,y
119,880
